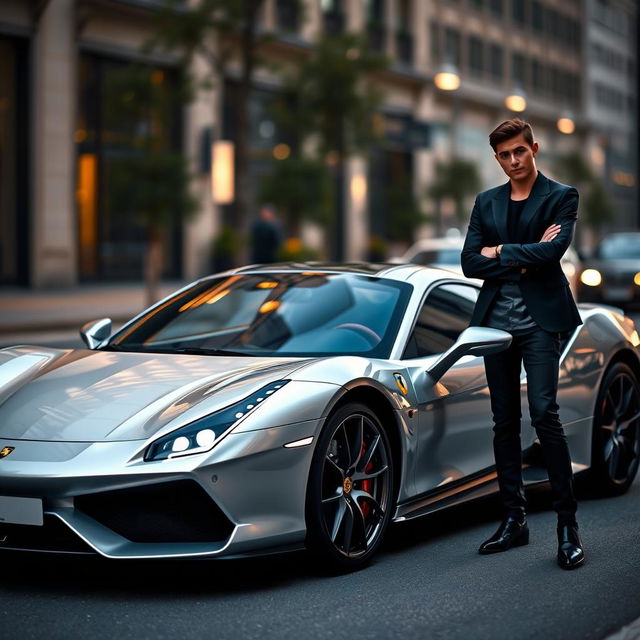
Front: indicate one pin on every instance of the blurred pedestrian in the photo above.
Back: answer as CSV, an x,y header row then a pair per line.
x,y
266,236
517,234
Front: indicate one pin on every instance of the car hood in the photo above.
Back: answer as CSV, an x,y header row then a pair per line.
x,y
104,396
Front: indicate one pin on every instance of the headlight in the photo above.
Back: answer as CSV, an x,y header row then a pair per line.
x,y
201,436
591,277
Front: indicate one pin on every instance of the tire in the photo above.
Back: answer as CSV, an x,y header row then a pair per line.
x,y
350,493
615,452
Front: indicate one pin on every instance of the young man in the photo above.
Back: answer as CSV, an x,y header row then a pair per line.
x,y
517,234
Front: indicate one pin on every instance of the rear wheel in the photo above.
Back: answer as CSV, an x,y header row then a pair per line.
x,y
350,490
616,431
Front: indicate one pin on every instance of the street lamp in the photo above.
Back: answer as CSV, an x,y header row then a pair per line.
x,y
566,124
447,78
516,101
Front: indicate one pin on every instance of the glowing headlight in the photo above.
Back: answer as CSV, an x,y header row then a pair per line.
x,y
591,277
201,435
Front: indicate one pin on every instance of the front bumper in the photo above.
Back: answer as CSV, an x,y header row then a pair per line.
x,y
246,496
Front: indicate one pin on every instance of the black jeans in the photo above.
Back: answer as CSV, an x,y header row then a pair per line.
x,y
540,352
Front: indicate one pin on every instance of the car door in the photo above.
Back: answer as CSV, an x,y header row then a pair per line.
x,y
454,422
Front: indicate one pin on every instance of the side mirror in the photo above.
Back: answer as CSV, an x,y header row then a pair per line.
x,y
95,332
476,341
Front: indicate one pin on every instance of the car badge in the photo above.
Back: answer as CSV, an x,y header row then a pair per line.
x,y
5,451
402,385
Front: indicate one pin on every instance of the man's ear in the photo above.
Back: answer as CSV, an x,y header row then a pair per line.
x,y
534,148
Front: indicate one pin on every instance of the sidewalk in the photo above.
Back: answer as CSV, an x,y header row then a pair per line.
x,y
25,310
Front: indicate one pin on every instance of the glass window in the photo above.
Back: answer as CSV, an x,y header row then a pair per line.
x,y
445,314
288,15
496,7
435,43
281,314
476,56
495,61
518,75
518,12
452,46
537,16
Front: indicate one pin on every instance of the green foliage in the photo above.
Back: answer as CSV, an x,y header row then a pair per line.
x,y
404,212
335,99
457,179
300,189
596,205
147,180
152,187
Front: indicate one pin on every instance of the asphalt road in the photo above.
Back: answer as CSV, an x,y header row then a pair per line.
x,y
428,582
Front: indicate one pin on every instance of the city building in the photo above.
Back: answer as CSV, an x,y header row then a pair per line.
x,y
60,148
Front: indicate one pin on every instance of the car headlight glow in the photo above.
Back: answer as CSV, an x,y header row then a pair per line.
x,y
591,277
201,435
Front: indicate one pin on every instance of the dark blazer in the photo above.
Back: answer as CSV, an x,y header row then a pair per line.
x,y
544,287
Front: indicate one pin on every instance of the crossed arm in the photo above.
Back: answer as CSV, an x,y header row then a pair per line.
x,y
479,261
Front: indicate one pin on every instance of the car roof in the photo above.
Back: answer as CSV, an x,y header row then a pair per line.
x,y
400,272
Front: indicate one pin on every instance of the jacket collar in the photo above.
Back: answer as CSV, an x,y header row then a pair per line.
x,y
500,204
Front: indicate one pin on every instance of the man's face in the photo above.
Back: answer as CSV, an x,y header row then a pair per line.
x,y
517,158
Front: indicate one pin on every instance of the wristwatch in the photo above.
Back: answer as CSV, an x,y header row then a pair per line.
x,y
498,250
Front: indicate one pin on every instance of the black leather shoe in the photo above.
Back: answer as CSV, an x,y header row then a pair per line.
x,y
570,551
512,532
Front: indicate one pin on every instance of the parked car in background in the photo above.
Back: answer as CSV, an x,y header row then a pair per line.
x,y
612,275
444,253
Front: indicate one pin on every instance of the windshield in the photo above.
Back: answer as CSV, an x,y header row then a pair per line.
x,y
439,256
620,247
284,314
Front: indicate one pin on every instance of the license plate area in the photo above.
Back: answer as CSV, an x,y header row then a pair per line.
x,y
21,511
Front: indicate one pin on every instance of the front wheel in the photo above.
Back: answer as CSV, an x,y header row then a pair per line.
x,y
616,431
350,489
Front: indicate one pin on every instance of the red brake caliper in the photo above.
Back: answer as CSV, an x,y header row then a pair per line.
x,y
366,485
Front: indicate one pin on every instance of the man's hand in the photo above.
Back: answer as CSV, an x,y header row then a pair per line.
x,y
550,233
488,252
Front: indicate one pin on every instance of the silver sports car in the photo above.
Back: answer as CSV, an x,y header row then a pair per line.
x,y
270,408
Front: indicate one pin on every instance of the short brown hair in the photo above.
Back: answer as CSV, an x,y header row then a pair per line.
x,y
511,129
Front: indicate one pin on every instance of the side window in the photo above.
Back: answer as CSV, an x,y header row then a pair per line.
x,y
445,314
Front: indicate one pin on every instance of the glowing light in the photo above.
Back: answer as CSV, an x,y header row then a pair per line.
x,y
266,285
222,176
299,443
358,189
205,438
636,278
447,80
281,151
566,125
623,178
591,277
516,101
180,444
267,307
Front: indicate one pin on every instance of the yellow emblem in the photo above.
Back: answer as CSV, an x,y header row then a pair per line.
x,y
347,485
402,384
6,451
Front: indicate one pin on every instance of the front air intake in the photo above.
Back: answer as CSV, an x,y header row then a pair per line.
x,y
170,512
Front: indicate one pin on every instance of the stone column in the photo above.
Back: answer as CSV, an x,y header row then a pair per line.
x,y
53,259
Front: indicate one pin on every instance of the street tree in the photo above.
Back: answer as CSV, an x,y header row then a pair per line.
x,y
457,179
219,32
335,104
146,179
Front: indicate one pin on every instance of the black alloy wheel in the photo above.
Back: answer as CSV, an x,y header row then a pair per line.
x,y
616,431
350,489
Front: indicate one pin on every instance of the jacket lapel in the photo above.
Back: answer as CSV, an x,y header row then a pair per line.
x,y
538,195
499,206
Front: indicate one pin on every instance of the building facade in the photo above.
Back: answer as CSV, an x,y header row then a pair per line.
x,y
59,146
